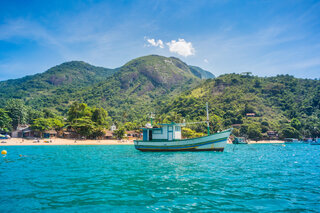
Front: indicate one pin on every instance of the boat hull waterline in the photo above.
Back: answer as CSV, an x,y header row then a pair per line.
x,y
214,142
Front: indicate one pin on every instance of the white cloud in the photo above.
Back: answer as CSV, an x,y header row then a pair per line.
x,y
155,43
206,60
181,47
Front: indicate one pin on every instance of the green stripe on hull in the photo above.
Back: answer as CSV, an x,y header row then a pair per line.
x,y
174,150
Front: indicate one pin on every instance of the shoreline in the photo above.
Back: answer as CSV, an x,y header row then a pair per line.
x,y
74,142
265,142
61,141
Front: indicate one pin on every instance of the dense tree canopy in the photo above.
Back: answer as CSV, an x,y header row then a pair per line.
x,y
17,111
274,104
290,132
120,133
100,116
78,110
43,124
88,121
5,121
252,105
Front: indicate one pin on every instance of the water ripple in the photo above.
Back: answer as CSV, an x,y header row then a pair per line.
x,y
248,178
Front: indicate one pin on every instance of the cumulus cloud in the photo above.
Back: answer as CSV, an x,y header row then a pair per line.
x,y
155,43
181,47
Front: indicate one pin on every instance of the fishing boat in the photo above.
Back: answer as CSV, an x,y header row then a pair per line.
x,y
315,142
4,136
307,140
292,141
168,137
239,140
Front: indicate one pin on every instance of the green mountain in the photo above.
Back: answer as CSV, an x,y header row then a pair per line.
x,y
141,86
176,91
68,76
138,86
285,104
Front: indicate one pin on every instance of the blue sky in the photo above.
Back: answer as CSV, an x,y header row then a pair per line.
x,y
263,37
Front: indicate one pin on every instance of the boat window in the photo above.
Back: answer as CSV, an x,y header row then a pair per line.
x,y
157,131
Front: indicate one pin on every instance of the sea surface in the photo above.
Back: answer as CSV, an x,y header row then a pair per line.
x,y
244,178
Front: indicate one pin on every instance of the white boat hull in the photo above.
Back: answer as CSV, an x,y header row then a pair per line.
x,y
214,142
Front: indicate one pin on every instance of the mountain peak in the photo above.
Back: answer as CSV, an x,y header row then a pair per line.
x,y
158,69
166,65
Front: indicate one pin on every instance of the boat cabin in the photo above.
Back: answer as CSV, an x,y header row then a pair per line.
x,y
168,132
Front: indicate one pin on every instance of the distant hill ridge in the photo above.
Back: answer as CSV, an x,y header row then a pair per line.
x,y
147,77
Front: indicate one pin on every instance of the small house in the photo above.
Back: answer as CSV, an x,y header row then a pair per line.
x,y
28,133
108,135
50,134
113,127
164,132
133,134
273,134
70,134
18,133
251,114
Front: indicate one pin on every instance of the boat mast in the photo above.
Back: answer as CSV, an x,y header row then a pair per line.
x,y
208,119
151,117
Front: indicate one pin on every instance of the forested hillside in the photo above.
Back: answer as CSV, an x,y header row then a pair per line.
x,y
253,105
125,92
141,86
60,80
174,91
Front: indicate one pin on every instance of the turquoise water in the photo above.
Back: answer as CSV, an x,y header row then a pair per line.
x,y
244,178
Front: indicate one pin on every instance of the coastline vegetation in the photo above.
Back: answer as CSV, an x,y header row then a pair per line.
x,y
252,105
89,99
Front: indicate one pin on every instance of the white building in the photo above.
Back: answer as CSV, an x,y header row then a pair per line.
x,y
18,133
113,127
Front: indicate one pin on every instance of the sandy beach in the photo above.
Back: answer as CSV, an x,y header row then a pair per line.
x,y
265,141
61,141
260,142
